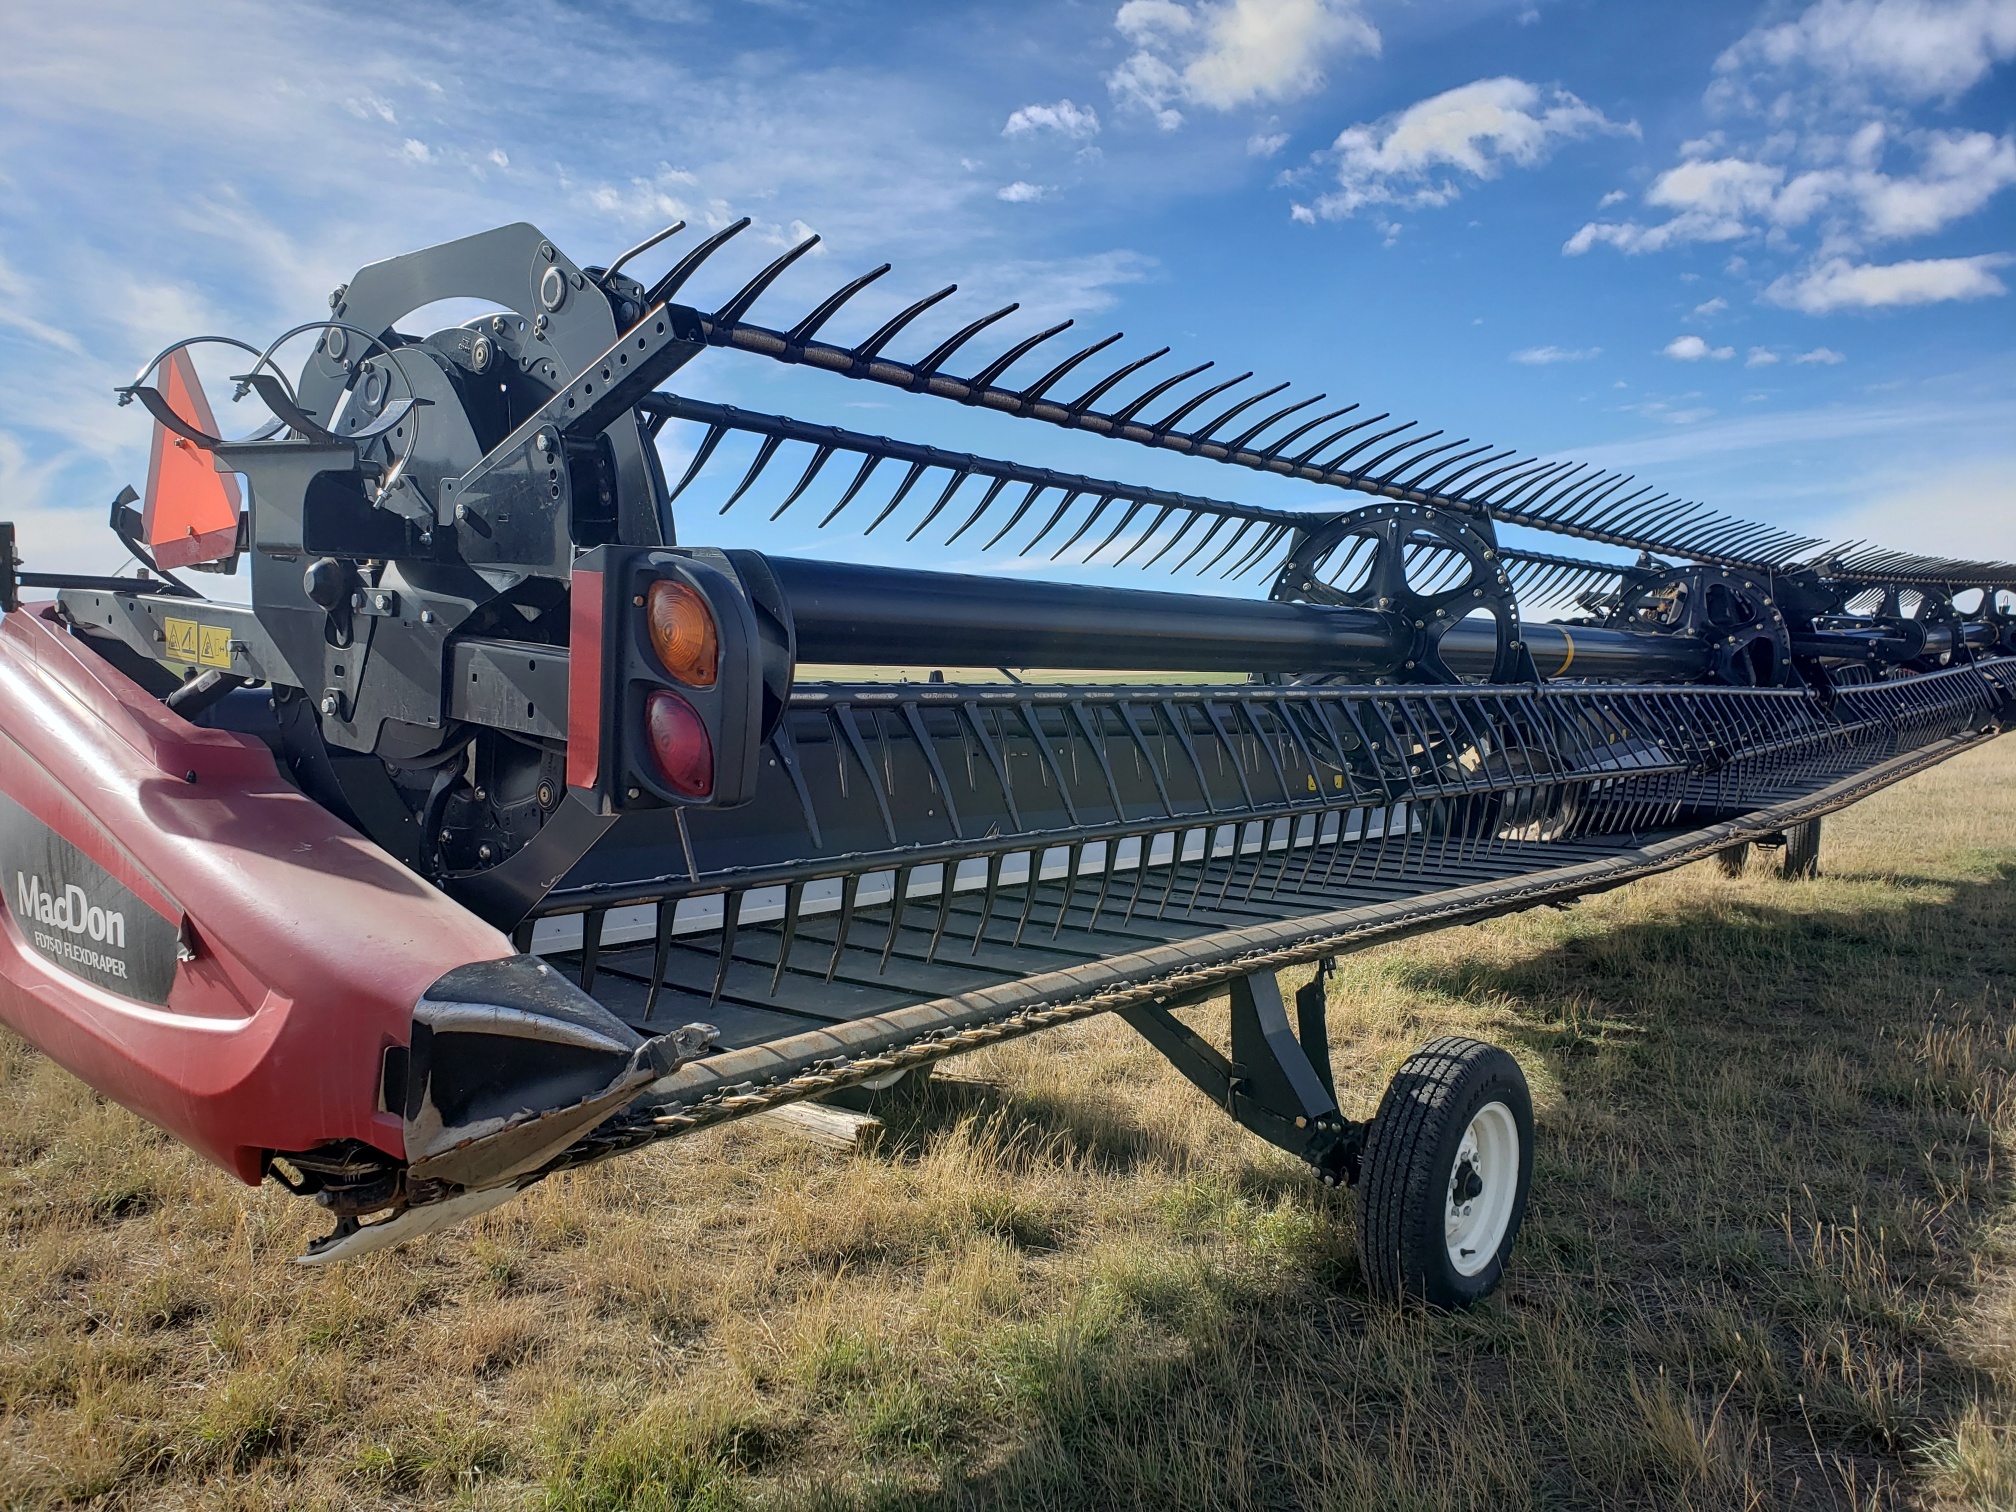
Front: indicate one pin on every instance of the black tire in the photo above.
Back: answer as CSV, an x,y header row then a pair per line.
x,y
1733,859
1802,851
1404,1190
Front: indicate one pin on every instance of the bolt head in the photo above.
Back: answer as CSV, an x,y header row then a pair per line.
x,y
329,705
634,793
461,511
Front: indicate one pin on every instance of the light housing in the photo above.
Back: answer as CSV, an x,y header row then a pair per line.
x,y
671,674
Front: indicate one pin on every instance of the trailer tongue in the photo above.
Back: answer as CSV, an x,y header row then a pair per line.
x,y
499,833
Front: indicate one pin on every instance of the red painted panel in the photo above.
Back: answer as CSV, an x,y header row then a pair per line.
x,y
584,681
308,944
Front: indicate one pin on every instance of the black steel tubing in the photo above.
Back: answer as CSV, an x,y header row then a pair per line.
x,y
891,616
1582,651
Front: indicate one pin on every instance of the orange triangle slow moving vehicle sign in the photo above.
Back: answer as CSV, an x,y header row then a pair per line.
x,y
191,513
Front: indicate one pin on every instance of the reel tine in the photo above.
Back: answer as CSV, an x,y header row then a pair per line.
x,y
1168,421
732,312
662,291
1238,443
947,348
1237,536
819,460
872,347
1419,457
639,250
985,377
1199,436
868,465
1084,401
1084,525
1016,518
1394,451
700,458
1070,498
1057,374
1268,538
1132,510
1337,462
917,470
1122,416
1302,430
1420,479
1216,526
1147,535
1181,531
1302,459
986,502
763,455
827,308
944,498
1450,481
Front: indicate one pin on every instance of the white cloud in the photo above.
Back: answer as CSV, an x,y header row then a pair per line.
x,y
1713,198
1723,199
1475,129
1064,118
1915,49
1614,197
1826,356
1020,193
1710,307
1239,52
1760,357
1543,356
1266,145
1839,284
1694,349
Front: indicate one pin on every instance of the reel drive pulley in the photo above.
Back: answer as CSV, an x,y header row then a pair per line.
x,y
632,866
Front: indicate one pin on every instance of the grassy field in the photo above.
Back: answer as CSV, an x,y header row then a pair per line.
x,y
1770,1261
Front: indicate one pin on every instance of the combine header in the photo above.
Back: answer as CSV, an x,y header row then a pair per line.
x,y
500,833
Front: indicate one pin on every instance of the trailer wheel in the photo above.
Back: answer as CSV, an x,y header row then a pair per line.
x,y
1802,851
1446,1170
1733,859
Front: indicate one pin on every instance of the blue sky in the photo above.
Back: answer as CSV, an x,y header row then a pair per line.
x,y
1761,255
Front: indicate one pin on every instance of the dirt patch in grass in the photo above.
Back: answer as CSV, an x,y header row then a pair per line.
x,y
1770,1260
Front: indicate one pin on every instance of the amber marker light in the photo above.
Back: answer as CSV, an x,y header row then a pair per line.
x,y
682,633
679,743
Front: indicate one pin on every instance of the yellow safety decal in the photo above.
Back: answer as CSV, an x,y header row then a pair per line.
x,y
182,639
204,645
1569,657
215,646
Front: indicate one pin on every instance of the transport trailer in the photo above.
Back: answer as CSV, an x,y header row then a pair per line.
x,y
500,832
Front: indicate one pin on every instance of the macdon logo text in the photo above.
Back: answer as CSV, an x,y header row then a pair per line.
x,y
73,912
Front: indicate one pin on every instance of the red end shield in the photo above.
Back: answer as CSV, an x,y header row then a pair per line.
x,y
191,513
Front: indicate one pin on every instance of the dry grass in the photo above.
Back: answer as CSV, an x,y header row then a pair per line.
x,y
1771,1260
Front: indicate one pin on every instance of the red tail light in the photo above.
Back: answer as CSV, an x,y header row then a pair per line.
x,y
679,743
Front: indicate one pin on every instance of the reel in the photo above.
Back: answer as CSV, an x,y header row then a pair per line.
x,y
1426,568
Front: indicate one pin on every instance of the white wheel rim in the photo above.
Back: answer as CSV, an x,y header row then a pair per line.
x,y
1483,1183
